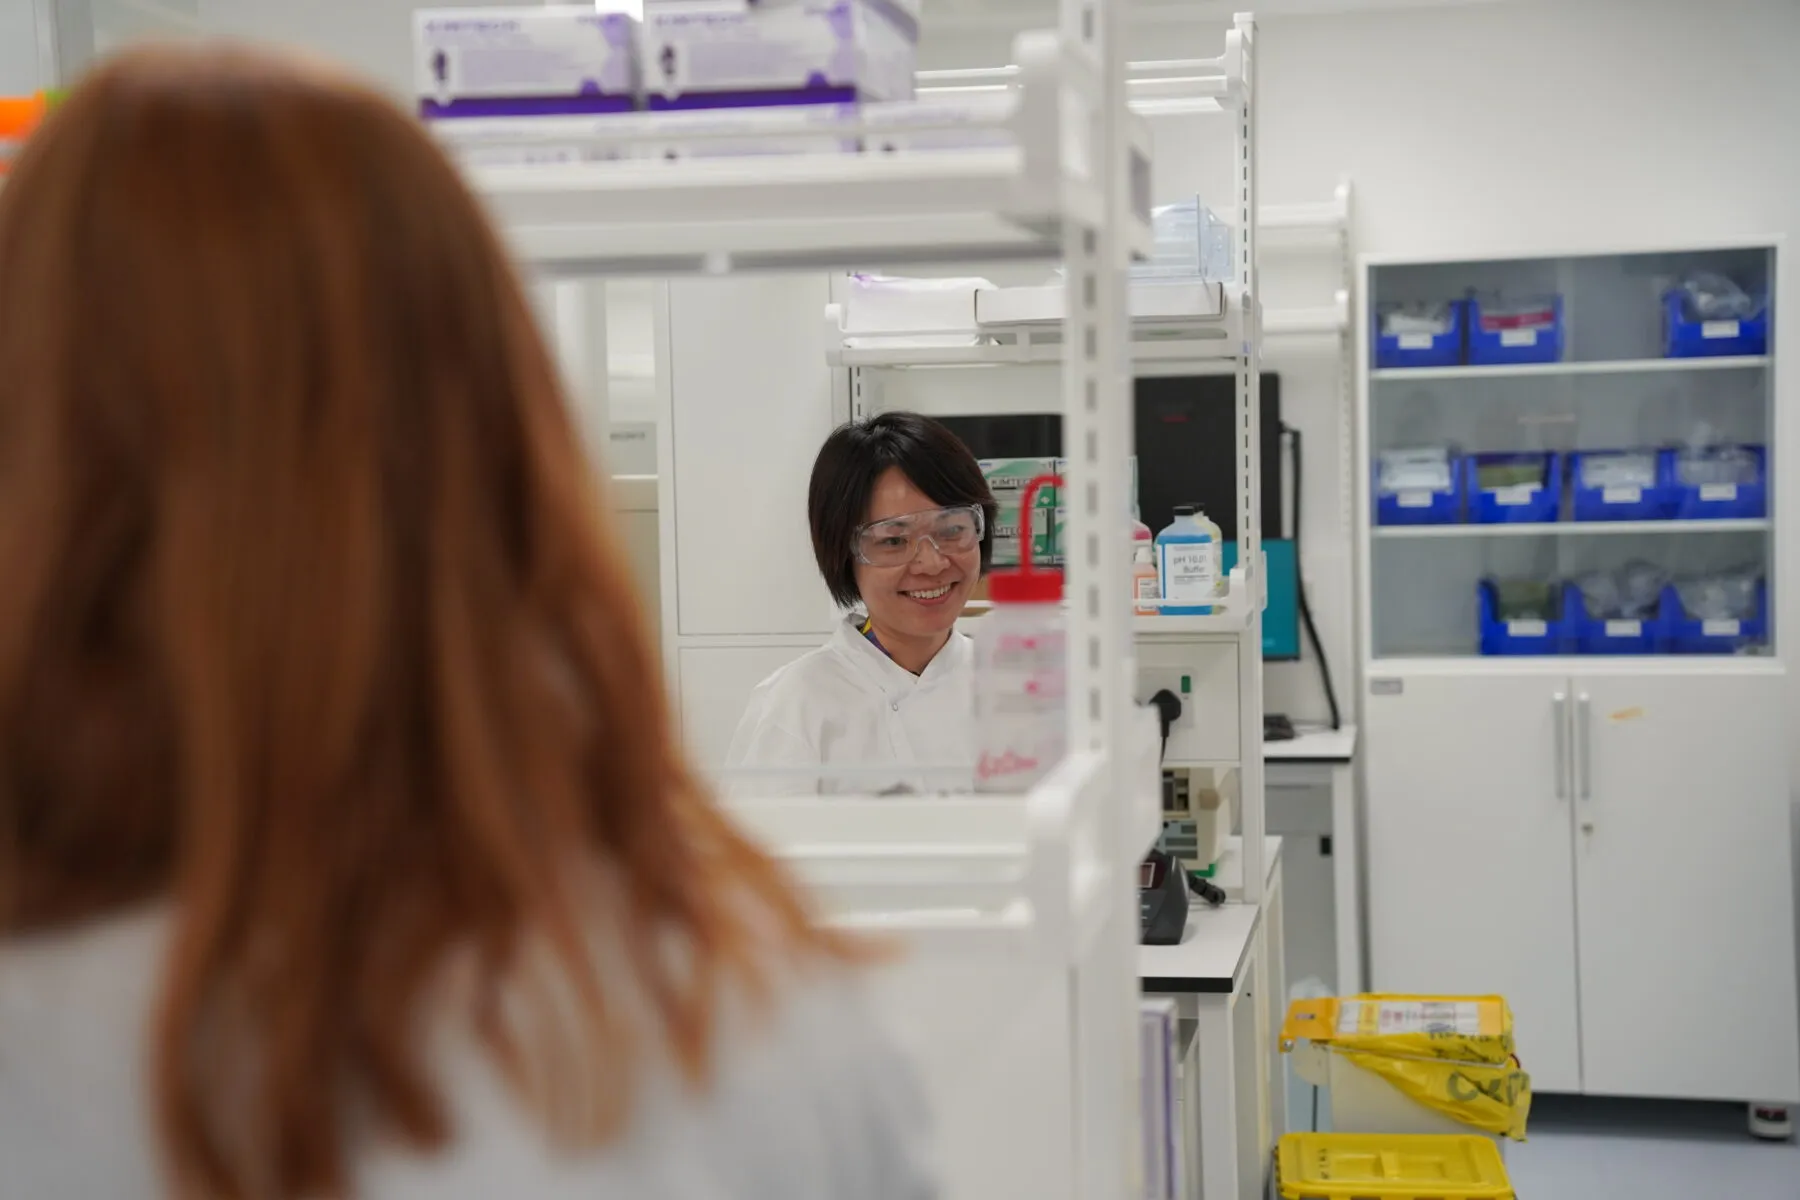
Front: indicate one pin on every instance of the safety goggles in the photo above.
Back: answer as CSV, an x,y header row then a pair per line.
x,y
895,541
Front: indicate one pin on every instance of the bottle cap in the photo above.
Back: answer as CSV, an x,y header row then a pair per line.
x,y
1186,510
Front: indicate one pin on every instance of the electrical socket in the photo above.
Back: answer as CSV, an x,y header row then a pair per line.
x,y
1154,679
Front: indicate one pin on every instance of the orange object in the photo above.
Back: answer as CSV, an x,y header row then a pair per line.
x,y
19,115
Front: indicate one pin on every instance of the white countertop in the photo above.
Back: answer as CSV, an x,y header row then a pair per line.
x,y
1212,947
1210,955
1314,745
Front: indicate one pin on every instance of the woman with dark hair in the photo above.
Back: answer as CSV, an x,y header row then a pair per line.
x,y
902,530
345,846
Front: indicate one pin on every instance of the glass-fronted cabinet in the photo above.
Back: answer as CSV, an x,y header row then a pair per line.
x,y
1570,456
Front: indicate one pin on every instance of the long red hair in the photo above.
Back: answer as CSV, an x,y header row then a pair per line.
x,y
308,628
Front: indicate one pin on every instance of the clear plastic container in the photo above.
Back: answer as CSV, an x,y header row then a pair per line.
x,y
1021,670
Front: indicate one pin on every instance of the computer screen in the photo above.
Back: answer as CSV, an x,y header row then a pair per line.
x,y
1186,431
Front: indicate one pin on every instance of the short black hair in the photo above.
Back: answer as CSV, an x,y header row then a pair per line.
x,y
854,457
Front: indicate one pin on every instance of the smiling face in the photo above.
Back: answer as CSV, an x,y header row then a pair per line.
x,y
921,599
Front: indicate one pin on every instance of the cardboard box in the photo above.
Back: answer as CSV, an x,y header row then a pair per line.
x,y
1006,478
816,52
524,62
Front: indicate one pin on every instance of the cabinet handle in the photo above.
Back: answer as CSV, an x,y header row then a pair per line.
x,y
1584,744
1560,701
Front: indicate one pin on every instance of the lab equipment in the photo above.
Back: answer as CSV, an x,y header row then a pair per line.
x,y
900,306
1619,611
1509,488
1417,486
1521,616
1515,329
1707,315
1389,1166
524,62
824,52
1419,334
1620,485
1454,1055
1187,239
1021,669
1720,482
1162,900
1722,613
1189,563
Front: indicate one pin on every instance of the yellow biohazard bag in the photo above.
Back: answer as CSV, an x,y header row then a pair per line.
x,y
1450,1053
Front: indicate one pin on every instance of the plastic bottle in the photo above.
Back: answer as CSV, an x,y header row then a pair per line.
x,y
1188,563
1145,584
1021,669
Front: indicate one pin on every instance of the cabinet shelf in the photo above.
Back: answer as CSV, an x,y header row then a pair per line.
x,y
1631,366
1573,529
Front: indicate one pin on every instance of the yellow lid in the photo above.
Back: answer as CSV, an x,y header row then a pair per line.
x,y
1378,1166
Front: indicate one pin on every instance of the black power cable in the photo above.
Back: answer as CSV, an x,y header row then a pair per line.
x,y
1306,617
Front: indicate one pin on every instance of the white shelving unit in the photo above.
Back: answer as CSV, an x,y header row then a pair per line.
x,y
1020,991
1004,350
1528,816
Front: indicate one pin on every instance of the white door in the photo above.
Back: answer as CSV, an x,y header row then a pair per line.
x,y
1684,876
1471,888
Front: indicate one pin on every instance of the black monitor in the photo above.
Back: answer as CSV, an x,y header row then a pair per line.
x,y
1186,435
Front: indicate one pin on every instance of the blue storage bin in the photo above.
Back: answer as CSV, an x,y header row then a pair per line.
x,y
1519,637
1654,503
1501,346
1421,349
1688,635
1721,501
1419,506
1501,506
1683,338
1598,635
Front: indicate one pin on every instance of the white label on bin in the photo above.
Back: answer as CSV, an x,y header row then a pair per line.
x,y
1622,495
1624,628
1718,329
1409,1016
1414,341
1527,628
1721,628
1413,499
1718,491
1512,497
1518,337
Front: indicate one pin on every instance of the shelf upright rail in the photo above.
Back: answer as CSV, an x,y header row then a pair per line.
x,y
1097,429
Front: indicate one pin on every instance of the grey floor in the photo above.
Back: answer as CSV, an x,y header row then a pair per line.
x,y
1584,1149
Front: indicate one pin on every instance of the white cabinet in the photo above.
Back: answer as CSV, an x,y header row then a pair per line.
x,y
1684,888
1471,888
1609,851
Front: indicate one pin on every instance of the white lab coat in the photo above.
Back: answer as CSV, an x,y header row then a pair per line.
x,y
849,703
810,1099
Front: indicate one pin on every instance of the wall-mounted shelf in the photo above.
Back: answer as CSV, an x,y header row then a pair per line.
x,y
1573,529
1634,366
1009,194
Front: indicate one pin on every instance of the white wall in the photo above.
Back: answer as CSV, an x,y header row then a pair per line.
x,y
18,48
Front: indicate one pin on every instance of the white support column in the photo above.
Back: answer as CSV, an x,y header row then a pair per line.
x,y
1240,45
1096,443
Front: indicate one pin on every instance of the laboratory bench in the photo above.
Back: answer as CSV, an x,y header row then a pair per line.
x,y
1322,761
1228,955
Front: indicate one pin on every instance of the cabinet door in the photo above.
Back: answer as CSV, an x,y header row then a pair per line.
x,y
1683,870
1471,888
